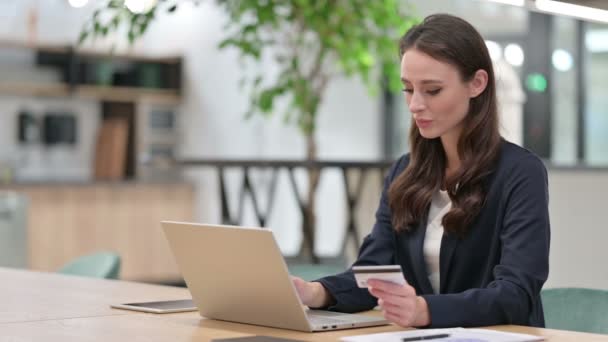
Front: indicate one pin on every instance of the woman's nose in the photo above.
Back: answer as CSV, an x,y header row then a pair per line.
x,y
416,103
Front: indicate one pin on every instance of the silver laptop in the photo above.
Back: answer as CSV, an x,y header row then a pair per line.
x,y
238,274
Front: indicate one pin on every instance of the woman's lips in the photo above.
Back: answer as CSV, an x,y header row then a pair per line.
x,y
422,123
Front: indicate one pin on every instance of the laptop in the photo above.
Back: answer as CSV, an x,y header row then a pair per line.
x,y
238,274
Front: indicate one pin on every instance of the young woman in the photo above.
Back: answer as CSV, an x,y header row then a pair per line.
x,y
465,213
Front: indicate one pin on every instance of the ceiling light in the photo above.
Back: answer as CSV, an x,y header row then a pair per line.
x,y
514,55
562,60
78,3
596,41
572,10
494,49
519,3
139,6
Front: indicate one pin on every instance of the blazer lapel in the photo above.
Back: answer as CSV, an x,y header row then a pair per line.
x,y
448,245
415,248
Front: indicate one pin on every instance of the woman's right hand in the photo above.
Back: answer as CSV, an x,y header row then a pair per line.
x,y
312,294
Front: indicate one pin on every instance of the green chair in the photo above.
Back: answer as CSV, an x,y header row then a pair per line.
x,y
104,265
577,309
314,271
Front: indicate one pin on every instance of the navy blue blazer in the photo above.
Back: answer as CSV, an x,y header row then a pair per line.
x,y
491,276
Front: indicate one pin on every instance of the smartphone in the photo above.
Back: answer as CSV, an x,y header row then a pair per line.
x,y
166,306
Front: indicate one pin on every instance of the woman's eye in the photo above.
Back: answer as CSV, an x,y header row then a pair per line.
x,y
434,91
408,90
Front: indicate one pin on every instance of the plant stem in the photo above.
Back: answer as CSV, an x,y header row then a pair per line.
x,y
313,182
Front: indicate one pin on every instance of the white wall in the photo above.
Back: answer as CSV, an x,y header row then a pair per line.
x,y
579,222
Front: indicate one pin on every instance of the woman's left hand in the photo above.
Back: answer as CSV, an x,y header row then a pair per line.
x,y
400,304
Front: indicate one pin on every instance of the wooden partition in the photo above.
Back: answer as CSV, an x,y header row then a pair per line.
x,y
66,221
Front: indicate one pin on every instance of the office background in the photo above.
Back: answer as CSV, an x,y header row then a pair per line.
x,y
352,126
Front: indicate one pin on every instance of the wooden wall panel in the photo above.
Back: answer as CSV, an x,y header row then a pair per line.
x,y
67,221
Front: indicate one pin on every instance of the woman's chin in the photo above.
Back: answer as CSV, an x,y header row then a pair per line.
x,y
427,133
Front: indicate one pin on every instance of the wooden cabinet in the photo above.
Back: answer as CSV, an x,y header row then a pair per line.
x,y
67,221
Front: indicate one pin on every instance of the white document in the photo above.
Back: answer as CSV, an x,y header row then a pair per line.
x,y
455,335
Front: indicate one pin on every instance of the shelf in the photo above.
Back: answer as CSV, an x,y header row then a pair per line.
x,y
88,52
35,89
77,67
25,45
128,94
23,184
104,93
160,139
127,57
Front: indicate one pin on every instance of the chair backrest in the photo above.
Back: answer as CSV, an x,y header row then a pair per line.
x,y
99,265
311,272
13,229
577,309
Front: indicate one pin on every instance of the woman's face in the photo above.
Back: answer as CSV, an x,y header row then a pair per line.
x,y
436,95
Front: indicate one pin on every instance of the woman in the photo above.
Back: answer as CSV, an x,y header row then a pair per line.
x,y
465,213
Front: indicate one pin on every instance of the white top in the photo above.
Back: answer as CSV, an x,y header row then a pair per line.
x,y
440,205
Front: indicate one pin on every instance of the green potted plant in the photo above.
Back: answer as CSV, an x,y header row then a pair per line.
x,y
311,41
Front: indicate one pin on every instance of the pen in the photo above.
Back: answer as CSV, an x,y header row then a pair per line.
x,y
425,337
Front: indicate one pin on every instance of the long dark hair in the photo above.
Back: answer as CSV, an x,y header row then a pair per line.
x,y
451,40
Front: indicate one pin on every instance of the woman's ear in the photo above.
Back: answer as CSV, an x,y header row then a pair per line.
x,y
478,84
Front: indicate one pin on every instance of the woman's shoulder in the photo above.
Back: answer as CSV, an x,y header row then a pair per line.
x,y
399,166
515,160
512,160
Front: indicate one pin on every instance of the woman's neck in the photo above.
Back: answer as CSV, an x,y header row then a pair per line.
x,y
450,147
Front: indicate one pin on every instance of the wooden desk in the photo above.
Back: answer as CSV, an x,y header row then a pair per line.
x,y
35,296
51,307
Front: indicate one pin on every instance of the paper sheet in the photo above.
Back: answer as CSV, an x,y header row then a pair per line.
x,y
456,335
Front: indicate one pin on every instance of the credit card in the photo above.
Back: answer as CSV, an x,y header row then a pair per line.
x,y
390,273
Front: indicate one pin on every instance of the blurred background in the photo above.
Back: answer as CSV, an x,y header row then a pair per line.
x,y
99,142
